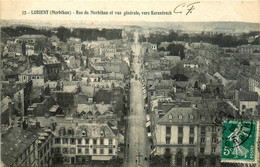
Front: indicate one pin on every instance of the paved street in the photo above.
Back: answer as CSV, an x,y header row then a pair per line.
x,y
137,134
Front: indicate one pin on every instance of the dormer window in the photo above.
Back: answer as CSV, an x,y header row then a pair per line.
x,y
191,117
180,117
170,116
202,117
83,133
101,133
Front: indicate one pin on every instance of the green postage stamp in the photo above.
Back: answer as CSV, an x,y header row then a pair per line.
x,y
239,141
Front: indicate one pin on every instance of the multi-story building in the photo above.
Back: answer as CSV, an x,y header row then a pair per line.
x,y
81,143
26,147
246,102
189,135
254,84
36,74
249,49
161,88
52,66
44,145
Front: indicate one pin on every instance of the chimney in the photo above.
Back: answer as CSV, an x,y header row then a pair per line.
x,y
38,125
11,109
161,115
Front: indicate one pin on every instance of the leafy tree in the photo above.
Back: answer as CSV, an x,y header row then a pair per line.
x,y
161,49
161,160
176,50
115,161
63,34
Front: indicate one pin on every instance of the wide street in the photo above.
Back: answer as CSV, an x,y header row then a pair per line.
x,y
137,149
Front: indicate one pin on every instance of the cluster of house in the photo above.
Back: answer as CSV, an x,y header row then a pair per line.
x,y
187,102
65,102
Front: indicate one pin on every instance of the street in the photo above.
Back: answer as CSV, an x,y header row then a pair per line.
x,y
136,134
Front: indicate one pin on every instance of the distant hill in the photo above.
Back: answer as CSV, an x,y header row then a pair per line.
x,y
185,26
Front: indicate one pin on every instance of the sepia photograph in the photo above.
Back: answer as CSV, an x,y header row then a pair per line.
x,y
130,83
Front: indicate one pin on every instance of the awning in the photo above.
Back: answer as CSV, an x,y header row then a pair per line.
x,y
54,108
148,123
101,158
153,150
147,117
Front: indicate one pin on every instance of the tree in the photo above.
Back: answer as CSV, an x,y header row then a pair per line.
x,y
63,34
161,49
176,50
115,161
161,160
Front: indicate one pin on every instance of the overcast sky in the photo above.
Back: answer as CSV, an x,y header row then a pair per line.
x,y
232,10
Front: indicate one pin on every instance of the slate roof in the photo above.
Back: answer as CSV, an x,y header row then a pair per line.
x,y
87,90
101,108
248,96
34,71
95,130
173,116
15,141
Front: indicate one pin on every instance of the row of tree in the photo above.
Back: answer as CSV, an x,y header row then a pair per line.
x,y
217,39
64,33
88,34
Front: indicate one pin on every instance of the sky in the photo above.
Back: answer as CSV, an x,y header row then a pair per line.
x,y
232,10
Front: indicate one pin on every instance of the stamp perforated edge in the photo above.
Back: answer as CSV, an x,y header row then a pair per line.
x,y
256,161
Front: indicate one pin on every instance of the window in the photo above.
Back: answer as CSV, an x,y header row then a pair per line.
x,y
213,149
213,128
72,150
202,117
180,117
94,141
170,116
152,93
202,150
101,151
191,140
243,107
101,141
79,150
79,141
65,150
94,151
201,161
179,161
191,130
87,141
214,139
65,141
213,161
72,141
180,130
110,151
110,141
57,150
202,140
191,117
86,151
57,140
179,140
203,130
168,130
168,139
